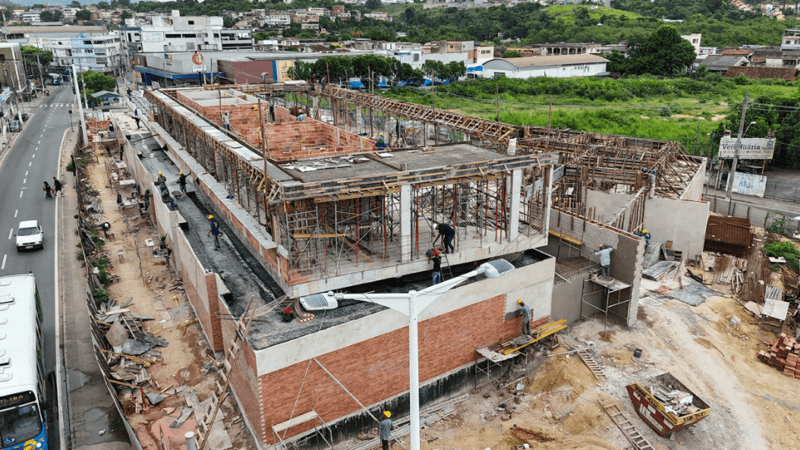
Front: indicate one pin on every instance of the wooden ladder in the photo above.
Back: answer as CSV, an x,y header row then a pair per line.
x,y
591,363
618,416
205,420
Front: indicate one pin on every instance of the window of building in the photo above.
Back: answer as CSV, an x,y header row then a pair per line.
x,y
191,22
189,35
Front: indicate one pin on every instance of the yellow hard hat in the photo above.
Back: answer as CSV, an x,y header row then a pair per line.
x,y
210,217
180,173
644,231
159,173
387,414
519,301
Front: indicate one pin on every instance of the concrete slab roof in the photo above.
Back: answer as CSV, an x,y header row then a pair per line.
x,y
355,165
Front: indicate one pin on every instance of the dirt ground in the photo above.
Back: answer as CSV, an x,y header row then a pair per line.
x,y
155,291
753,406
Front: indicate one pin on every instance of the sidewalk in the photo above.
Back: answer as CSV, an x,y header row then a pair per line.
x,y
92,422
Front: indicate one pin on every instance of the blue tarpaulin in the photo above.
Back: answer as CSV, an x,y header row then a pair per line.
x,y
356,85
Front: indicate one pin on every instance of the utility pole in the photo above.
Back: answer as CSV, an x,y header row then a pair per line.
x,y
39,66
19,87
81,117
736,149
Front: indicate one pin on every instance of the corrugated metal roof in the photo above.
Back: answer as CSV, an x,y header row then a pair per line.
x,y
723,60
62,29
555,60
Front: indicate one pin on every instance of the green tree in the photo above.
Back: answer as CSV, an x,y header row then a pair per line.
x,y
229,22
373,4
75,4
512,54
662,53
103,5
50,16
96,82
30,52
83,14
409,14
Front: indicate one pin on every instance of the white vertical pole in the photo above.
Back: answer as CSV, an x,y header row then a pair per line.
x,y
80,105
413,368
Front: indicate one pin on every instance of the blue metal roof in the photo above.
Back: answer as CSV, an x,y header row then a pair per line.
x,y
175,76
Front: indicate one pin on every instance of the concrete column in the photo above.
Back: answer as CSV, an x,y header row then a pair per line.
x,y
405,223
359,120
387,134
514,195
547,183
338,137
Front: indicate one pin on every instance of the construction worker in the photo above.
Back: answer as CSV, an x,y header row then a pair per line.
x,y
526,317
214,230
645,235
386,429
433,254
182,181
226,120
161,182
381,145
447,233
604,252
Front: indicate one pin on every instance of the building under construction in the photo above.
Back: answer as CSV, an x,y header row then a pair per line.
x,y
312,205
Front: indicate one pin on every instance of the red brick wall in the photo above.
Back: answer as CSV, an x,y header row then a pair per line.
x,y
377,369
243,377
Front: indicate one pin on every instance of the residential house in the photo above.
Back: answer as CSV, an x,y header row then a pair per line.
x,y
721,63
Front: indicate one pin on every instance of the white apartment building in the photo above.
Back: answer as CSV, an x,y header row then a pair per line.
x,y
278,19
790,40
96,53
174,34
694,39
30,17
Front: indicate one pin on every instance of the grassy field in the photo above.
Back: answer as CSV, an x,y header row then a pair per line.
x,y
567,12
659,117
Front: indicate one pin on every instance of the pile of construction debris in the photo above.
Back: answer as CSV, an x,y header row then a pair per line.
x,y
783,356
674,400
132,351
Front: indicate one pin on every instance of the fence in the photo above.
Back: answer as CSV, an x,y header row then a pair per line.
x,y
788,192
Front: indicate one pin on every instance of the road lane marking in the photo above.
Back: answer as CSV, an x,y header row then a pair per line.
x,y
33,156
15,213
39,142
29,164
3,267
25,180
26,173
20,194
10,233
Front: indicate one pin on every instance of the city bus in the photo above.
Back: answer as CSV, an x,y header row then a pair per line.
x,y
22,379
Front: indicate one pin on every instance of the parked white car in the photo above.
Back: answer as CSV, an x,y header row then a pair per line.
x,y
29,235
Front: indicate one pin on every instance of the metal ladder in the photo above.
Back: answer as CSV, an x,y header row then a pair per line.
x,y
591,363
208,417
618,417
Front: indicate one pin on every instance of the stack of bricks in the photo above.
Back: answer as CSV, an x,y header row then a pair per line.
x,y
783,356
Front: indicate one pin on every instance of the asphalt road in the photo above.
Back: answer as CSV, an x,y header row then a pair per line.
x,y
31,160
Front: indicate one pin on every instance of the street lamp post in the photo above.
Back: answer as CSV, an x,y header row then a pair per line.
x,y
411,304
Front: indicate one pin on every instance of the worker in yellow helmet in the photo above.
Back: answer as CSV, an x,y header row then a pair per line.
x,y
214,230
182,181
161,182
386,429
645,234
526,317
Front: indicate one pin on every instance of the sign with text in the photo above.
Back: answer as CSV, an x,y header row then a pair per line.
x,y
749,184
751,148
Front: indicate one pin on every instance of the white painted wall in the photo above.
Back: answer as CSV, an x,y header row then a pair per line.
x,y
582,70
679,221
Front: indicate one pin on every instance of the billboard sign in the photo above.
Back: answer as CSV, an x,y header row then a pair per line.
x,y
751,148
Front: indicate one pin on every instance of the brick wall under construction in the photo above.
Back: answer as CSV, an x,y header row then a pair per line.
x,y
375,370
